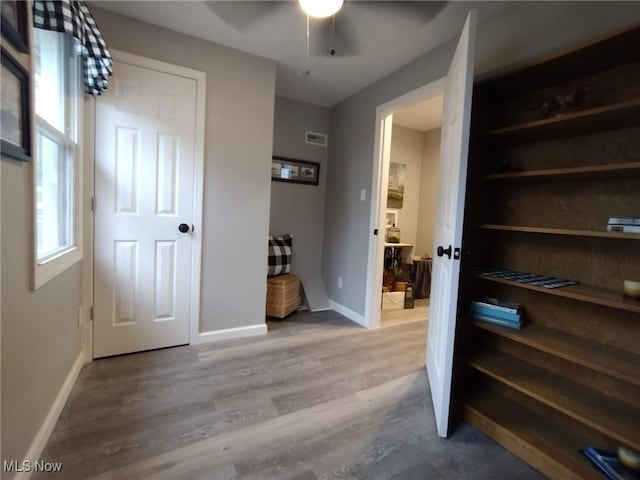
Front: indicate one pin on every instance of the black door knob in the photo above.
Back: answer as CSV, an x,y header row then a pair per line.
x,y
183,227
444,251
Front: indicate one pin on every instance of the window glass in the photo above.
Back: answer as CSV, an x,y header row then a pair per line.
x,y
50,77
56,166
54,196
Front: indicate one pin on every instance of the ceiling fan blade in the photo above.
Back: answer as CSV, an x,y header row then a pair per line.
x,y
342,38
420,11
241,15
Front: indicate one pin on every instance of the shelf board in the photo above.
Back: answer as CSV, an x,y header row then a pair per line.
x,y
609,117
604,414
594,355
560,231
593,171
598,54
547,446
583,293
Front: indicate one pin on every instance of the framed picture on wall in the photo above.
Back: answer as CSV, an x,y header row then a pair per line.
x,y
16,123
14,24
391,218
295,171
395,194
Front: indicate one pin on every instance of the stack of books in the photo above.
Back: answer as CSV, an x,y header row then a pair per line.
x,y
626,225
506,314
607,462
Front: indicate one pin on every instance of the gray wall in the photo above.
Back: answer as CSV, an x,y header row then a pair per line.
x,y
428,192
238,146
519,33
40,336
295,208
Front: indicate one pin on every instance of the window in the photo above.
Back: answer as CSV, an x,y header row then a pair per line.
x,y
57,166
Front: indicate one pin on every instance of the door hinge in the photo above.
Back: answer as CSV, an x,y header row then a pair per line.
x,y
91,312
93,204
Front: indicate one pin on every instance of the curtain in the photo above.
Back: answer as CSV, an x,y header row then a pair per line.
x,y
73,17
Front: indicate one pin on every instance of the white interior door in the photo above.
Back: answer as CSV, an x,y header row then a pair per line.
x,y
454,148
145,157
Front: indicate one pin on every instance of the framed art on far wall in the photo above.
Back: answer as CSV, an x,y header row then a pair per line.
x,y
16,120
295,171
391,218
14,24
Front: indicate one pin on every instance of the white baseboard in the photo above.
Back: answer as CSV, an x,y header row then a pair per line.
x,y
350,314
42,437
231,333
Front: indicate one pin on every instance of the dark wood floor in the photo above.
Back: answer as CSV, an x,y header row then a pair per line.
x,y
316,398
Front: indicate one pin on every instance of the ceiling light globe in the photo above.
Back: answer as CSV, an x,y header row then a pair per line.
x,y
321,8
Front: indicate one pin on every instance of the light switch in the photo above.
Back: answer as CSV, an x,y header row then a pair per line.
x,y
363,195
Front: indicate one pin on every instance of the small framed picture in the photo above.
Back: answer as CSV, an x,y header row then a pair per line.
x,y
391,218
14,24
295,171
16,123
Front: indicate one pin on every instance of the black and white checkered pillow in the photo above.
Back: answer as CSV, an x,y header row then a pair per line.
x,y
280,252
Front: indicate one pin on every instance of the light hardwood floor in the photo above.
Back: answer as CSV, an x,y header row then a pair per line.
x,y
419,313
316,398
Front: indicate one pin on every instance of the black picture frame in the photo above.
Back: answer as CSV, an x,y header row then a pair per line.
x,y
291,170
14,24
15,109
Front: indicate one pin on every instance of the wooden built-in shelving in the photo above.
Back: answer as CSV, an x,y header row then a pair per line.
x,y
574,173
608,51
583,293
548,446
571,376
594,355
560,231
608,117
609,416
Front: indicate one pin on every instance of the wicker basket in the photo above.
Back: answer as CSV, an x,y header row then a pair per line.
x,y
283,295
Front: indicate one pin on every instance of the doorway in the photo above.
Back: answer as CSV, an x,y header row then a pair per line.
x,y
414,162
149,138
407,136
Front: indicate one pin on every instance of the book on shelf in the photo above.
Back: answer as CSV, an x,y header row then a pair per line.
x,y
623,228
494,312
606,461
497,321
624,221
495,304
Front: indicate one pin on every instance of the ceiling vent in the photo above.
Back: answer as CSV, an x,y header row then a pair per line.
x,y
319,139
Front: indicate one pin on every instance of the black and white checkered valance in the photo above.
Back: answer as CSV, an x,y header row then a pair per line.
x,y
74,17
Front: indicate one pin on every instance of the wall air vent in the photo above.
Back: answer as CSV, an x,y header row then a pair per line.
x,y
319,139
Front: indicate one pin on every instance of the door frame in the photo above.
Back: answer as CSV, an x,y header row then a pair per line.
x,y
381,155
198,195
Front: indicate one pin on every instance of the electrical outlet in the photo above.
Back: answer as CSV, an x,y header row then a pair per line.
x,y
339,282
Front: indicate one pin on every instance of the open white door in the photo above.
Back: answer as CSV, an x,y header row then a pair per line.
x,y
454,148
376,247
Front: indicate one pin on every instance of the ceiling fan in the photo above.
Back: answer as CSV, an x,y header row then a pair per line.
x,y
331,30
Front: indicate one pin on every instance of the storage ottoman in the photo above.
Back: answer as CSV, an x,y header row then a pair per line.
x,y
283,295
